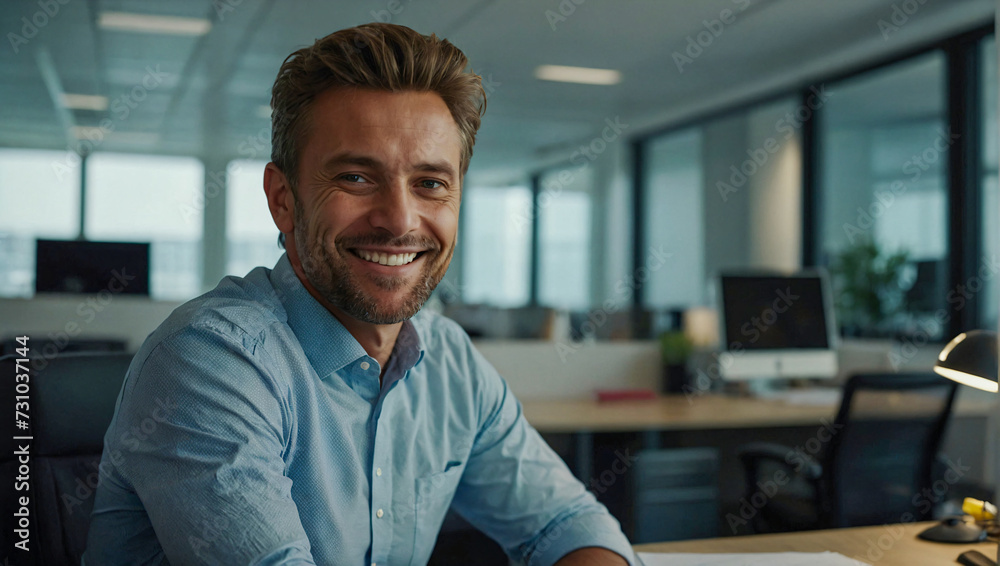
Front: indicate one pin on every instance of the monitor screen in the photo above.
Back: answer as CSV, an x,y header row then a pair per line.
x,y
773,312
73,266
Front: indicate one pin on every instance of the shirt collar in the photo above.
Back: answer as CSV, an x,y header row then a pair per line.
x,y
326,343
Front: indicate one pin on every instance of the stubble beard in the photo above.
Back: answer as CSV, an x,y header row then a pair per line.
x,y
328,272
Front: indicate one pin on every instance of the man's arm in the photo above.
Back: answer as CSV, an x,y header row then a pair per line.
x,y
518,491
200,431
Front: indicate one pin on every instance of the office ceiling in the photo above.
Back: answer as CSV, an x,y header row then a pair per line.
x,y
207,95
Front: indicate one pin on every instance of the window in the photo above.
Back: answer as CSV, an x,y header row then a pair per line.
x,y
673,210
990,300
564,208
40,192
720,196
251,236
145,198
496,247
883,197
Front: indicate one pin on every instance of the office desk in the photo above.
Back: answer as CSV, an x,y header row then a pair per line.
x,y
585,417
679,412
582,427
888,545
670,412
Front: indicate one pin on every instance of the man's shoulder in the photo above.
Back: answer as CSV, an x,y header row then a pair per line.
x,y
448,346
238,309
438,332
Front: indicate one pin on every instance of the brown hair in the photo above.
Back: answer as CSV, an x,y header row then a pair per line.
x,y
378,56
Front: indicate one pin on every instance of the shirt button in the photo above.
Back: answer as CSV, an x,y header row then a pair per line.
x,y
365,365
378,472
379,513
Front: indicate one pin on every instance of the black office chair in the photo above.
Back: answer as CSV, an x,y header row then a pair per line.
x,y
870,466
72,400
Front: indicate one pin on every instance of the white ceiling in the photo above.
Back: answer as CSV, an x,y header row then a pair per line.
x,y
208,97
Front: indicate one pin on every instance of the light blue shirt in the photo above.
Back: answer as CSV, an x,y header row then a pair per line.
x,y
252,429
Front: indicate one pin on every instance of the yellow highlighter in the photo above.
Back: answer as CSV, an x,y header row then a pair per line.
x,y
980,510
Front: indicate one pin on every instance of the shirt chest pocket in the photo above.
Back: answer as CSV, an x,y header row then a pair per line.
x,y
433,495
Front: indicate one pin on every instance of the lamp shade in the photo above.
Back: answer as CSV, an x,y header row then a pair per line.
x,y
970,359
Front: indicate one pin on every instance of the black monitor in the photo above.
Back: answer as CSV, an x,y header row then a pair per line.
x,y
778,326
76,266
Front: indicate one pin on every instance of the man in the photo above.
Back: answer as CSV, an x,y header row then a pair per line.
x,y
305,415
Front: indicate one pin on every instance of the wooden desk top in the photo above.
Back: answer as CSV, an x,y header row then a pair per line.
x,y
888,545
679,412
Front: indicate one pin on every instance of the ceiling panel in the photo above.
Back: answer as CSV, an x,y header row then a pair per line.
x,y
202,95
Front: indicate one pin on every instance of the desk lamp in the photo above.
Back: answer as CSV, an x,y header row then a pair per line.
x,y
971,359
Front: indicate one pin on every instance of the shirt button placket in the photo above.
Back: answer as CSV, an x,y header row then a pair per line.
x,y
380,497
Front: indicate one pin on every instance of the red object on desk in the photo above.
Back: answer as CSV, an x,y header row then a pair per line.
x,y
624,394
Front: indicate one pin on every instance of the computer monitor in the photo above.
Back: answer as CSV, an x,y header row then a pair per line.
x,y
77,266
777,326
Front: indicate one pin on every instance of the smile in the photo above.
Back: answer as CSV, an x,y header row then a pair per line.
x,y
385,258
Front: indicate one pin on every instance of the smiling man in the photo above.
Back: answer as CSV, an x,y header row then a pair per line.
x,y
313,414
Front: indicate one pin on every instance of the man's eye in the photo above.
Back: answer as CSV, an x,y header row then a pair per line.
x,y
353,178
431,184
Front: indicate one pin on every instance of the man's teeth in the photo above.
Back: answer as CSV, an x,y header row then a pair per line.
x,y
387,259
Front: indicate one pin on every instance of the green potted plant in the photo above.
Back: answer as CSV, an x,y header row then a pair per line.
x,y
675,348
868,283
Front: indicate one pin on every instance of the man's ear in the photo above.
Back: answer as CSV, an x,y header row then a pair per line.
x,y
280,198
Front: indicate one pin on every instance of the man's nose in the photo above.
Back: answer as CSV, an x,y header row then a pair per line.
x,y
395,210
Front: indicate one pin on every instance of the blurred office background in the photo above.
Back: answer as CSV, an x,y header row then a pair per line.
x,y
714,135
763,134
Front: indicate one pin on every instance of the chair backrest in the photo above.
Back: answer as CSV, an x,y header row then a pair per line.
x,y
882,446
71,400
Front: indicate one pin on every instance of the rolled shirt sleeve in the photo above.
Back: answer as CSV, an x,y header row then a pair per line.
x,y
518,490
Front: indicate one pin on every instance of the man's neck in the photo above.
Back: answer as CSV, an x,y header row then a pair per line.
x,y
378,340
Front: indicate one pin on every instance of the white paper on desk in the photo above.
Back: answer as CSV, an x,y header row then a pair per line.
x,y
749,559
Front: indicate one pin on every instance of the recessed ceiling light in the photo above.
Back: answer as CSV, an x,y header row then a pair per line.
x,y
148,23
85,101
583,75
